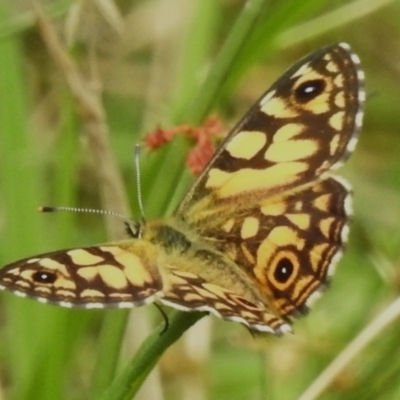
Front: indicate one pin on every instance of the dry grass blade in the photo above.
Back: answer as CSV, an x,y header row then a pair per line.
x,y
96,130
387,316
94,123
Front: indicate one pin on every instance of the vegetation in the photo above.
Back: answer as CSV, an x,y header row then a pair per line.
x,y
71,111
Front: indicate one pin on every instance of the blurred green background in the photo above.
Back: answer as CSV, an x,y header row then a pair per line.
x,y
166,62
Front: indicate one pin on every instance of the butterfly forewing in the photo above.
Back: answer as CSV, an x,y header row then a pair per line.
x,y
97,276
258,235
304,125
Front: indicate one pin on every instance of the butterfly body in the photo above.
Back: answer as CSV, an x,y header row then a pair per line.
x,y
257,237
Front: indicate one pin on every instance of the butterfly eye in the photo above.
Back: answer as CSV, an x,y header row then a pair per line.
x,y
309,90
283,270
44,277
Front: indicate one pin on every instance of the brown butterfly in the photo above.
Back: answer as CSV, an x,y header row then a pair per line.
x,y
258,235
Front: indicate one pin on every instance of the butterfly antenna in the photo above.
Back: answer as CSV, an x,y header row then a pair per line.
x,y
132,226
138,182
81,210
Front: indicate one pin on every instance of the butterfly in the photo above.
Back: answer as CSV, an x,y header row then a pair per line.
x,y
257,237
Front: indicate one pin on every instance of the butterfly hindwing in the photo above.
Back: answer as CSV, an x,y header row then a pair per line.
x,y
290,245
191,292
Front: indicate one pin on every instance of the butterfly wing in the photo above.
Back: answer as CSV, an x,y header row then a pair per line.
x,y
188,292
94,277
304,125
265,200
289,245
